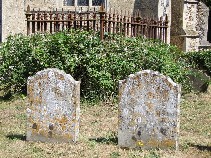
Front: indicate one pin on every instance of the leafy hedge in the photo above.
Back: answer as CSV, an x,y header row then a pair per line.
x,y
99,65
200,60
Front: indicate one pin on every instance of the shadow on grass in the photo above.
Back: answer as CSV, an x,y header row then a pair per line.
x,y
201,147
16,136
103,140
6,97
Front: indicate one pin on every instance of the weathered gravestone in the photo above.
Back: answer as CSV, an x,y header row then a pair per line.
x,y
53,107
148,111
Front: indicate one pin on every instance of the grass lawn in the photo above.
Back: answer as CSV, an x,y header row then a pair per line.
x,y
98,131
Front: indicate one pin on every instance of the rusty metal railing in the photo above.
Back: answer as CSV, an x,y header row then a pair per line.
x,y
98,21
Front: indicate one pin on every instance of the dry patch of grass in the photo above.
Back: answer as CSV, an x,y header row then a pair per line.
x,y
98,133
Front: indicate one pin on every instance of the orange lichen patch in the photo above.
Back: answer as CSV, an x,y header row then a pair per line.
x,y
153,143
43,77
29,89
58,92
165,94
35,100
145,74
149,105
163,119
131,91
140,86
74,121
30,119
63,127
40,85
35,128
60,77
168,143
62,122
158,113
132,123
161,144
136,115
150,95
138,82
43,133
68,136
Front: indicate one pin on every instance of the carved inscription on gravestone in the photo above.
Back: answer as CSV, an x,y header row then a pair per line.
x,y
148,111
53,107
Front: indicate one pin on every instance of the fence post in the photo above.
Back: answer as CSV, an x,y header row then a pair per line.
x,y
28,14
102,20
33,21
166,28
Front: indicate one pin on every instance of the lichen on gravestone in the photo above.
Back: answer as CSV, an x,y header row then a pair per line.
x,y
148,111
53,107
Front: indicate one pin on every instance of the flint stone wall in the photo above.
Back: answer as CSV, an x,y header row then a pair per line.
x,y
202,25
53,107
189,27
148,111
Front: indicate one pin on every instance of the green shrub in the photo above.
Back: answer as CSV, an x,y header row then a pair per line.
x,y
98,64
200,60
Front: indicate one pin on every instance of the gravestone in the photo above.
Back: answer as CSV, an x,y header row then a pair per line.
x,y
148,111
53,107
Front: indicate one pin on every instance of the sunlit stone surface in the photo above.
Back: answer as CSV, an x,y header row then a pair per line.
x,y
148,111
53,107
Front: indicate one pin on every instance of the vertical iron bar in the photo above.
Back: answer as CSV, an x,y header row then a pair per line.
x,y
102,20
28,14
50,14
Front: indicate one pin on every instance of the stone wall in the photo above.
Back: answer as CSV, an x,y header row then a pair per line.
x,y
148,7
202,25
126,6
14,20
189,25
177,23
164,8
43,4
189,29
13,14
